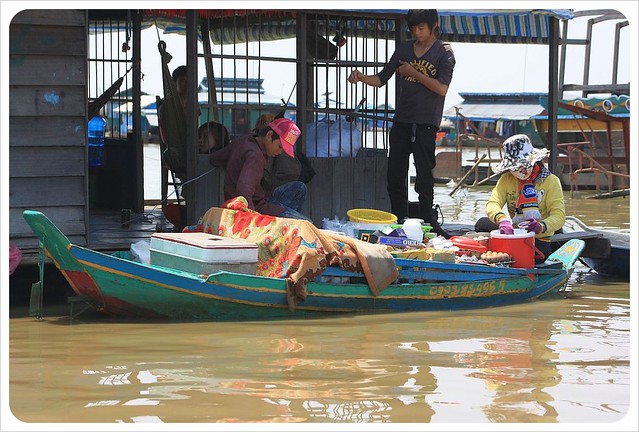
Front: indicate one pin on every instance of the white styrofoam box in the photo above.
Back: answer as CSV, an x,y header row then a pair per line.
x,y
203,253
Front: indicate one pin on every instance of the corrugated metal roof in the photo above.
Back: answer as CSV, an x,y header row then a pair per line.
x,y
529,106
495,111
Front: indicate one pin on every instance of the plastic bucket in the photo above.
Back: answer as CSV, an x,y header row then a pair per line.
x,y
520,246
371,216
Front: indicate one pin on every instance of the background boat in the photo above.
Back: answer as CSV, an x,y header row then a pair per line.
x,y
611,256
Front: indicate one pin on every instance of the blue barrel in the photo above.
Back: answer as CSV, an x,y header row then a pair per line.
x,y
97,126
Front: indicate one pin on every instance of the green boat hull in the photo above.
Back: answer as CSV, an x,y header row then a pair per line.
x,y
119,286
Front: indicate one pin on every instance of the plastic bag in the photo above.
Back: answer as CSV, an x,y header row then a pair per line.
x,y
333,138
335,225
141,251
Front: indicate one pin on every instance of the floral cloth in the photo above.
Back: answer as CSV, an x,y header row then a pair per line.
x,y
296,249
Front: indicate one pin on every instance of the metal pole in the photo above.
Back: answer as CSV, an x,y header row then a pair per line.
x,y
615,61
586,78
137,110
302,77
553,91
210,73
192,111
564,49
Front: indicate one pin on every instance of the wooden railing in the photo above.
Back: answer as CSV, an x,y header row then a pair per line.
x,y
580,162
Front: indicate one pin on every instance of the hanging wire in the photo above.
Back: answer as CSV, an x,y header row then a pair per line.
x,y
125,46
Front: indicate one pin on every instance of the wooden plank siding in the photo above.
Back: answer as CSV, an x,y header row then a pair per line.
x,y
345,183
47,122
66,161
46,132
62,70
209,189
70,220
46,191
50,39
44,17
38,101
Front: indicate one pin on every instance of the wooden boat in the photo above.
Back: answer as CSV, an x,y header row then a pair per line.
x,y
610,252
120,286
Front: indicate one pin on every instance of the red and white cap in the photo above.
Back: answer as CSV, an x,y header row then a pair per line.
x,y
288,132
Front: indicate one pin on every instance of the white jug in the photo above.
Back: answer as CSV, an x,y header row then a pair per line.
x,y
413,229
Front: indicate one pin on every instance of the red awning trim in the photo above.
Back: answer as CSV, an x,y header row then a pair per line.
x,y
219,13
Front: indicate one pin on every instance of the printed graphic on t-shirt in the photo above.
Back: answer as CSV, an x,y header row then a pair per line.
x,y
422,66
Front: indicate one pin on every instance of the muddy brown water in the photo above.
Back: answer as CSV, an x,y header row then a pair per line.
x,y
561,360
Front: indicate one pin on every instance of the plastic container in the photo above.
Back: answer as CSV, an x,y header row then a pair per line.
x,y
413,229
481,237
96,128
468,246
520,246
371,216
203,253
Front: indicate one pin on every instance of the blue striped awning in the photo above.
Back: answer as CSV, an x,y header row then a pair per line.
x,y
526,26
514,26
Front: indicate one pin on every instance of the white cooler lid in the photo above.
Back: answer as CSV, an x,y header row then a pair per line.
x,y
205,247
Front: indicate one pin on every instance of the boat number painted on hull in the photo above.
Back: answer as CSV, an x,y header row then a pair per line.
x,y
468,289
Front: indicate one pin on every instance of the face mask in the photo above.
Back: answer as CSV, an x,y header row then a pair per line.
x,y
523,173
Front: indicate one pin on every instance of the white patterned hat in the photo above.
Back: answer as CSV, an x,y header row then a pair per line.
x,y
518,151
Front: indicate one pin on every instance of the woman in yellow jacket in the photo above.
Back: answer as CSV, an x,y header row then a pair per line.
x,y
532,194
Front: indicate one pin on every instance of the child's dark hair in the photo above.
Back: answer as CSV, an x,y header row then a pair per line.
x,y
219,131
426,16
178,72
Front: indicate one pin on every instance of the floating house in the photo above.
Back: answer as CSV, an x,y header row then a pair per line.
x,y
592,141
90,55
495,116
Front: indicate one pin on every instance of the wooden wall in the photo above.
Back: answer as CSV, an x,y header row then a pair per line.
x,y
47,122
339,184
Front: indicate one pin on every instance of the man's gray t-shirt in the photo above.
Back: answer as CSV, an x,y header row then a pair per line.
x,y
416,103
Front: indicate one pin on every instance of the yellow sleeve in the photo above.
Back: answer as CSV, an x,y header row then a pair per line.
x,y
552,207
497,199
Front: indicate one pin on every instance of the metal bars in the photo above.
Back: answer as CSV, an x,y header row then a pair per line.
x,y
111,57
246,53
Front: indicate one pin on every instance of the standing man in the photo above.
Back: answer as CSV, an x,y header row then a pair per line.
x,y
425,65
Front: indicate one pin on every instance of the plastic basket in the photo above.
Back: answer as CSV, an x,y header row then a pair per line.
x,y
371,216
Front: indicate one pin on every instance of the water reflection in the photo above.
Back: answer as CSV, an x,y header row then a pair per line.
x,y
528,363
